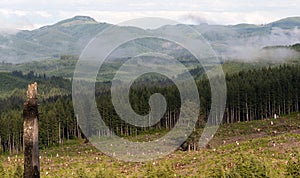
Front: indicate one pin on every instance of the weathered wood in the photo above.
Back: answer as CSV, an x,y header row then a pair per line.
x,y
31,132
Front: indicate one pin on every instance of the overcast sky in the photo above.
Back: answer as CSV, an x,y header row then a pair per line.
x,y
31,14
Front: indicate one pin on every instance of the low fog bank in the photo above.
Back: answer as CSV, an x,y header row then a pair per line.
x,y
263,47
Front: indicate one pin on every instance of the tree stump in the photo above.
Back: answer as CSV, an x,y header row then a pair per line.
x,y
31,133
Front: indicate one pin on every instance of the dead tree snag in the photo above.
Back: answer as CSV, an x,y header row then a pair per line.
x,y
31,132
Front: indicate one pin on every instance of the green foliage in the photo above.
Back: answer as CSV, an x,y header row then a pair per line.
x,y
81,173
105,173
2,172
251,95
164,170
216,172
9,82
83,160
18,171
293,166
248,167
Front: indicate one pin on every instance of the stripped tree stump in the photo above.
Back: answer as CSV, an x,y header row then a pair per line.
x,y
31,133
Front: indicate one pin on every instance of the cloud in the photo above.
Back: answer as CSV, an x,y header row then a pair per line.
x,y
121,16
187,17
250,48
43,14
14,20
172,5
194,19
115,11
228,18
10,12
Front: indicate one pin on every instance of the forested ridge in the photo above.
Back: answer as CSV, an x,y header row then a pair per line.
x,y
251,95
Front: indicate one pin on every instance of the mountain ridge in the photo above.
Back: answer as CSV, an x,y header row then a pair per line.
x,y
295,20
290,21
70,36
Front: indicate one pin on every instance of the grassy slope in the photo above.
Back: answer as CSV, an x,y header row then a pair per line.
x,y
76,158
10,82
235,66
53,67
11,85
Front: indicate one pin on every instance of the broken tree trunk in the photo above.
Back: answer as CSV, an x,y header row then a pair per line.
x,y
31,132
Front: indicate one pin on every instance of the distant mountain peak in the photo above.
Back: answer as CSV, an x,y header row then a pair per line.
x,y
77,20
84,18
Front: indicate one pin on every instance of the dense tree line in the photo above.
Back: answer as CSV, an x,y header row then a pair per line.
x,y
260,94
52,91
251,95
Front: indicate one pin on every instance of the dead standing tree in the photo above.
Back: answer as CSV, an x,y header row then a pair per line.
x,y
31,132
